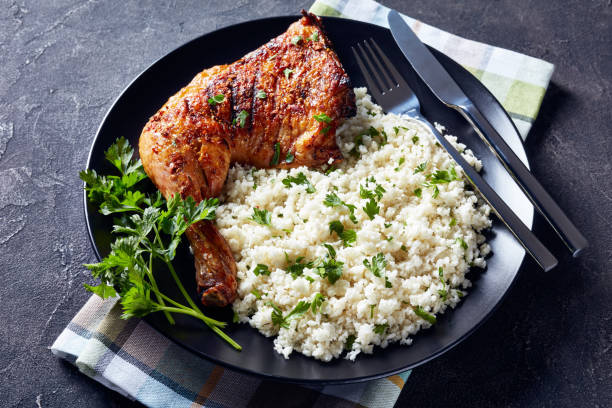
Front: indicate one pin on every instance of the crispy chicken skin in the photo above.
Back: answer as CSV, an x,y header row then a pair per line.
x,y
188,146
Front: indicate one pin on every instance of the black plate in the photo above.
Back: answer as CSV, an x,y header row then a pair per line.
x,y
146,94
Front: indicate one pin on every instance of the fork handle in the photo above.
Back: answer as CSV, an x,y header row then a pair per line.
x,y
540,198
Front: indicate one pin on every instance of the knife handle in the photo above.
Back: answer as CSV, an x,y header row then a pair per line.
x,y
540,198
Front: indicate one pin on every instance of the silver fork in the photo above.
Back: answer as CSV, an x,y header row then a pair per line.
x,y
394,95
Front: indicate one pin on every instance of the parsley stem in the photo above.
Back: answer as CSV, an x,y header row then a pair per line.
x,y
180,285
213,324
157,291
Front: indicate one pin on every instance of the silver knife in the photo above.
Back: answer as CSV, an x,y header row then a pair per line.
x,y
446,90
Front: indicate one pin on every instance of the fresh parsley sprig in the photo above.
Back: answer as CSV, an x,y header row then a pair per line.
x,y
152,232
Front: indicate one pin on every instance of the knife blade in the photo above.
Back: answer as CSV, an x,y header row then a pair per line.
x,y
444,87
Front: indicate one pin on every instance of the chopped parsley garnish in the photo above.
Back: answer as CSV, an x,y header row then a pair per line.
x,y
443,176
376,193
388,224
403,248
330,170
297,268
216,99
384,139
261,94
317,301
419,311
287,72
461,242
442,292
241,118
325,130
372,311
330,268
332,200
371,208
257,294
381,328
377,265
417,192
347,236
452,222
314,36
420,168
262,217
289,157
283,321
261,269
276,156
321,117
301,180
295,40
371,113
401,161
350,340
415,139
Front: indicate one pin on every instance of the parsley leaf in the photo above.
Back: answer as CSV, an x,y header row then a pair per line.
x,y
350,340
314,36
377,265
296,39
276,156
461,242
420,168
287,72
419,311
216,99
261,269
283,321
300,180
103,290
417,192
371,208
332,200
317,301
241,118
321,117
381,328
329,267
442,292
262,217
415,139
257,294
347,236
452,222
297,268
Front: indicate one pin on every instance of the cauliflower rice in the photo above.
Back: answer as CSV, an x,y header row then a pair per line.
x,y
429,238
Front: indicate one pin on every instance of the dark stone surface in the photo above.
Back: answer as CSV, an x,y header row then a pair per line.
x,y
62,63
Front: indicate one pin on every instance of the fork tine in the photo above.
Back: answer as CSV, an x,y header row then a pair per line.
x,y
394,73
373,87
383,88
389,84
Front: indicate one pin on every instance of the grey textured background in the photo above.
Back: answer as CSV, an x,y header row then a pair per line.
x,y
62,63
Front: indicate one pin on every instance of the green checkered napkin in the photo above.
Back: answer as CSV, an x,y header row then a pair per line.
x,y
135,360
516,80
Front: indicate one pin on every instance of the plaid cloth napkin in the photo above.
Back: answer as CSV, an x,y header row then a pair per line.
x,y
518,81
135,360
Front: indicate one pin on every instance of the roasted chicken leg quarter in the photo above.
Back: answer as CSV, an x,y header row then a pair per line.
x,y
278,106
